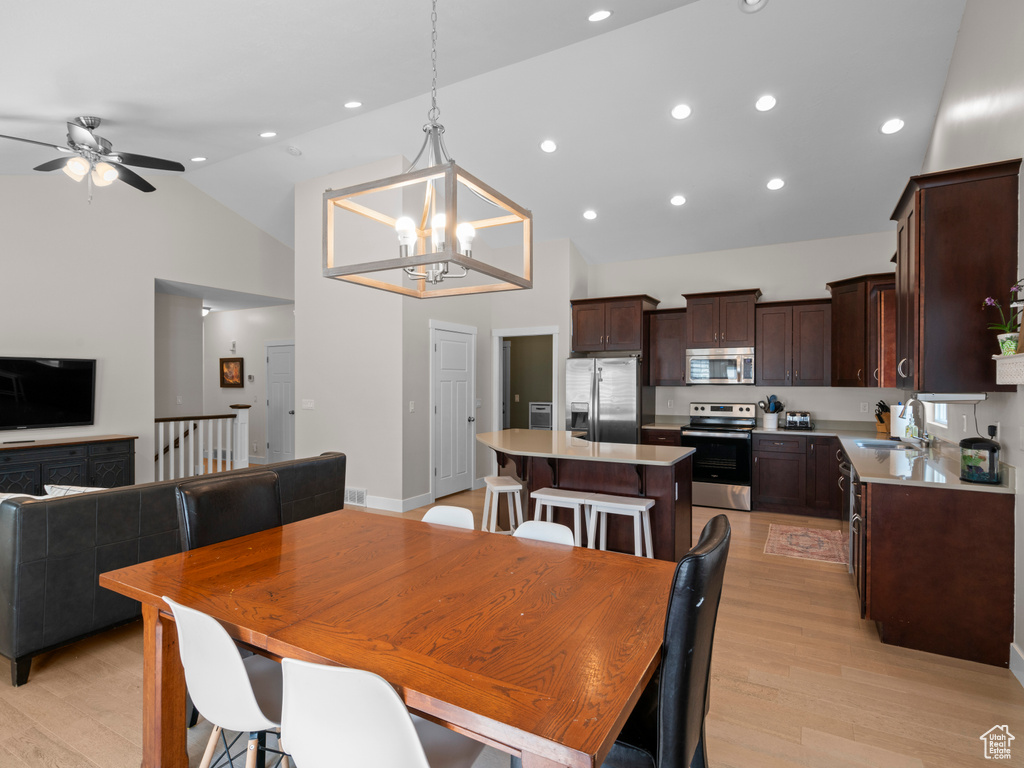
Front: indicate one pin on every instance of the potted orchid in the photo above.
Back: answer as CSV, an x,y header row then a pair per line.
x,y
1009,324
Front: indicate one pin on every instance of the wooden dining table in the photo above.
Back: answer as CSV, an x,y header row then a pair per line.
x,y
538,649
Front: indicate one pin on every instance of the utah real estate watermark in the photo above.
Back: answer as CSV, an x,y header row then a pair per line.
x,y
997,742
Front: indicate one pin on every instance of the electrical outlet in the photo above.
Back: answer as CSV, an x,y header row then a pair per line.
x,y
412,406
255,447
179,399
864,407
999,432
669,403
307,405
964,427
517,398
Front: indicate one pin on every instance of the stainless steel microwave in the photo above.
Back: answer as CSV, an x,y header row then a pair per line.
x,y
720,366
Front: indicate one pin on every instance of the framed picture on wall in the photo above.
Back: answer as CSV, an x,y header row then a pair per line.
x,y
232,372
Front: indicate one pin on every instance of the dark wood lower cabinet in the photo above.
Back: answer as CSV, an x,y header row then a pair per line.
x,y
103,461
660,437
796,474
937,569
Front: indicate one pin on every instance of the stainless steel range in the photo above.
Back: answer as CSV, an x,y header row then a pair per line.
x,y
721,435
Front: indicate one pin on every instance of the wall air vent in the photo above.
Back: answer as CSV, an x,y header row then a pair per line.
x,y
356,496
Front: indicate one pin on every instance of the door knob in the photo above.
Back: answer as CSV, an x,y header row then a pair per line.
x,y
472,418
292,413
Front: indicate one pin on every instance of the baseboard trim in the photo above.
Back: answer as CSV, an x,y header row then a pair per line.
x,y
384,503
417,501
1017,662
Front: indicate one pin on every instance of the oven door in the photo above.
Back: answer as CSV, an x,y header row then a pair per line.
x,y
720,457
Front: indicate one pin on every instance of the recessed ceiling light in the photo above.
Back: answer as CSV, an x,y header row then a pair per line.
x,y
353,104
590,215
681,111
678,200
752,6
268,135
892,126
198,159
548,145
776,184
765,103
599,15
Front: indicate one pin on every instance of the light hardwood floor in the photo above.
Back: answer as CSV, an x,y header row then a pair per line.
x,y
798,680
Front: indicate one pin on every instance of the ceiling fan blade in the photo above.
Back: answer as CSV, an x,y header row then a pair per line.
x,y
52,165
132,179
40,143
82,136
144,161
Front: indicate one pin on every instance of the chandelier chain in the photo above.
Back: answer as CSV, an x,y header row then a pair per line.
x,y
434,112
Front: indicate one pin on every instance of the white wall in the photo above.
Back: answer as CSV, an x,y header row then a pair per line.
x,y
76,280
178,352
348,353
250,329
981,120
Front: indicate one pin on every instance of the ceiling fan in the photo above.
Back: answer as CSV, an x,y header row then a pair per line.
x,y
94,157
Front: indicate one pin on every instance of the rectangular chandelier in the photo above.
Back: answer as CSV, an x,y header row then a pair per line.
x,y
428,233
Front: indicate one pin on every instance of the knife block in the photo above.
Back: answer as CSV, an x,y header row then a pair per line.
x,y
883,428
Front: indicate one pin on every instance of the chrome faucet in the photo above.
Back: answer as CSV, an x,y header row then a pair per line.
x,y
918,431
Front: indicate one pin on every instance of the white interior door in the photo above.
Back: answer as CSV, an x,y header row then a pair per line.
x,y
280,402
454,427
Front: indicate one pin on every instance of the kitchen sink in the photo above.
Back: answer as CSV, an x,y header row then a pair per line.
x,y
886,445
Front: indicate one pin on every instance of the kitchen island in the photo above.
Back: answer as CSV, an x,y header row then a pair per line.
x,y
558,459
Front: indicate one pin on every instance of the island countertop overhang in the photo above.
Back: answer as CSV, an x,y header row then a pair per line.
x,y
558,444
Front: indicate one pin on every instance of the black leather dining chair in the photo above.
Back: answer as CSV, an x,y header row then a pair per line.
x,y
666,727
213,509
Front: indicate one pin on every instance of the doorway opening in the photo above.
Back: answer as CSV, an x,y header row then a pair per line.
x,y
531,368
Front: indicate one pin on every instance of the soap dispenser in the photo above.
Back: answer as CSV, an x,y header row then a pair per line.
x,y
979,459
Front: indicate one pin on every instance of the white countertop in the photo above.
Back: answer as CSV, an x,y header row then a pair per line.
x,y
563,445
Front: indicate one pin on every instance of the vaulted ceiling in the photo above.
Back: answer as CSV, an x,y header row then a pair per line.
x,y
195,78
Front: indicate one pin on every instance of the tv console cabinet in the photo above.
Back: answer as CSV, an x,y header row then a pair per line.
x,y
99,461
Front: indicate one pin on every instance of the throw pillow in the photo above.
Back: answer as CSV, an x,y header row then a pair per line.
x,y
68,490
16,495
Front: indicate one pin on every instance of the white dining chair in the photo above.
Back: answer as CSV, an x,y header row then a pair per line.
x,y
232,693
334,716
457,517
541,530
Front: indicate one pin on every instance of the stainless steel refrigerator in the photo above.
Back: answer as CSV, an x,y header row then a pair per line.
x,y
605,398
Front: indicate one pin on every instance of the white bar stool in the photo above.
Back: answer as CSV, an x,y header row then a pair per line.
x,y
555,497
601,505
496,485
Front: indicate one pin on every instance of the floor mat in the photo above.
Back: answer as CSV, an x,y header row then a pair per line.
x,y
808,543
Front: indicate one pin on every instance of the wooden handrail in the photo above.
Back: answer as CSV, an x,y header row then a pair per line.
x,y
195,418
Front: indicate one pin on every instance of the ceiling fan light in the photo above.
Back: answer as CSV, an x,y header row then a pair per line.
x,y
77,167
104,174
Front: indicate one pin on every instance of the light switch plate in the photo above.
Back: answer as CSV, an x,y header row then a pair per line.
x,y
307,405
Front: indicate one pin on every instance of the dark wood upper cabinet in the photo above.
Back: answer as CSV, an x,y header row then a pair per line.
x,y
793,344
668,347
956,244
614,324
863,331
720,319
773,352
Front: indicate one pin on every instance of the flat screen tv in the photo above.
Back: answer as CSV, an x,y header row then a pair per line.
x,y
37,392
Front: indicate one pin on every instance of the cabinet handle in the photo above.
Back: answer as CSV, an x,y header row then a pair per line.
x,y
858,374
812,447
841,483
787,375
839,454
876,374
899,368
854,521
755,459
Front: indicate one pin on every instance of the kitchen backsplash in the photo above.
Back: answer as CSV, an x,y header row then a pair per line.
x,y
826,403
